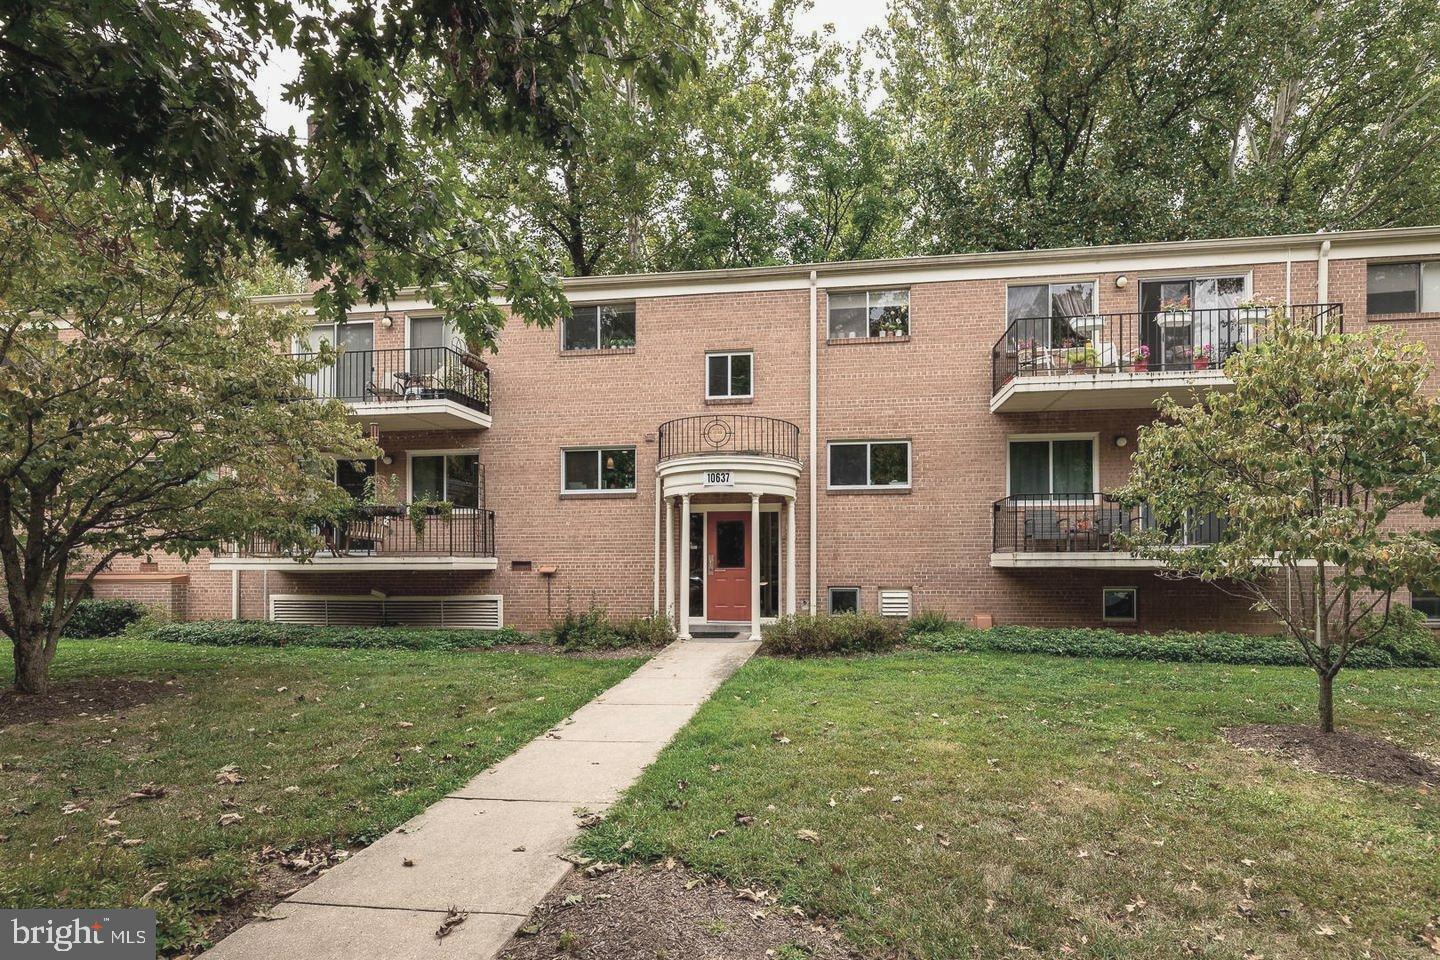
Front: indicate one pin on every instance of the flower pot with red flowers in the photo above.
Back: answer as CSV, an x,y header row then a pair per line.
x,y
1203,356
1140,359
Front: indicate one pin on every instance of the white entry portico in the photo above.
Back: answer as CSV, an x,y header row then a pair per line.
x,y
729,482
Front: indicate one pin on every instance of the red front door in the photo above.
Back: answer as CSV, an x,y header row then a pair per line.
x,y
727,566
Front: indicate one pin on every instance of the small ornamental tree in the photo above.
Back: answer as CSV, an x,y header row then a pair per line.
x,y
1317,468
140,411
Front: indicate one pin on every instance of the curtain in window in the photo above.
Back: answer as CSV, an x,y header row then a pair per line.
x,y
1072,466
1029,468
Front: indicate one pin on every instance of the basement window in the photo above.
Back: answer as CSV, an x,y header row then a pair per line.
x,y
844,599
1120,604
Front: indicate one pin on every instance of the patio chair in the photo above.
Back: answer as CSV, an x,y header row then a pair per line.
x,y
1043,526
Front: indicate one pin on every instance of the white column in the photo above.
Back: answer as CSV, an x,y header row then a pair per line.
x,y
684,567
669,509
754,566
790,555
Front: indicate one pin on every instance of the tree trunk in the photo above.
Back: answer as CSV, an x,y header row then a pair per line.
x,y
32,664
1327,703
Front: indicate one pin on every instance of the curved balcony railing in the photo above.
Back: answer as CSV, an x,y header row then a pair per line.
x,y
725,433
1153,341
386,530
410,373
1084,522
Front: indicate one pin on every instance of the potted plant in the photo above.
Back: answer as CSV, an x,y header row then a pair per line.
x,y
1174,312
1081,358
1203,356
1140,358
891,327
1252,311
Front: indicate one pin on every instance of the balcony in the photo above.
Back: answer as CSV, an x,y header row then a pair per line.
x,y
1127,360
380,537
1079,530
415,388
729,453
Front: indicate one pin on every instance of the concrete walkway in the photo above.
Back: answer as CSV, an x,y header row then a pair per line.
x,y
492,849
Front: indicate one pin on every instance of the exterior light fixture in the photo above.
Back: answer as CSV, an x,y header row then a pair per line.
x,y
1121,281
387,321
1122,441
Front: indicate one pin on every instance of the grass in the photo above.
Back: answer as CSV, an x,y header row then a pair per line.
x,y
991,805
367,738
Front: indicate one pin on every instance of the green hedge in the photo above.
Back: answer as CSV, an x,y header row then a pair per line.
x,y
805,635
257,633
1174,646
103,618
593,629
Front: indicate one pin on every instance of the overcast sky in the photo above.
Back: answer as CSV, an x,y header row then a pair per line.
x,y
850,17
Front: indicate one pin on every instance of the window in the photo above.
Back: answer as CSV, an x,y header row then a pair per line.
x,y
429,336
1119,604
844,599
879,463
1403,287
604,470
352,476
604,326
729,376
453,477
1062,466
1043,310
1427,603
869,313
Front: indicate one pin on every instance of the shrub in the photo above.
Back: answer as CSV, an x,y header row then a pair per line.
x,y
805,635
928,621
104,618
1175,646
587,630
649,633
257,633
1404,637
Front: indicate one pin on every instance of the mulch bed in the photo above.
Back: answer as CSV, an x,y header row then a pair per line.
x,y
1341,754
640,913
79,698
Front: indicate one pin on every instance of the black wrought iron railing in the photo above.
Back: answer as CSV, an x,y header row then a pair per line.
x,y
729,433
389,531
401,374
1144,342
1083,522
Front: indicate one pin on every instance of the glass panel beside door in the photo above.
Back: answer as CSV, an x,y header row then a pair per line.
x,y
351,376
1192,324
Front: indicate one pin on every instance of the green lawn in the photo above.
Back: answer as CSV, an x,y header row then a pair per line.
x,y
366,739
992,805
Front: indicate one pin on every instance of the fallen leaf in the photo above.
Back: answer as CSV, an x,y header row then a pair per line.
x,y
452,920
808,836
229,773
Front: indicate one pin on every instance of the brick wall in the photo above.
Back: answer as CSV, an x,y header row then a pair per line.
x,y
932,388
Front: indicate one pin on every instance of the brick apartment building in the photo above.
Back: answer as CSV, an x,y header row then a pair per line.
x,y
887,436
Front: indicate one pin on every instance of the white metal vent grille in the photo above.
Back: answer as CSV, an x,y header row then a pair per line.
x,y
451,613
894,603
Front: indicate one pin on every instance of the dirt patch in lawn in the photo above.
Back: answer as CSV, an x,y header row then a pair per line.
x,y
643,913
79,698
1341,753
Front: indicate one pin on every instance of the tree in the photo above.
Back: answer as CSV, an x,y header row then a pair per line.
x,y
157,95
140,409
1325,440
1027,124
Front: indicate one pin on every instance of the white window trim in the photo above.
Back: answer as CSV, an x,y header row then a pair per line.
x,y
1135,603
1247,275
730,356
909,465
448,333
1094,439
1420,305
830,598
600,491
596,305
1094,292
830,303
410,456
297,345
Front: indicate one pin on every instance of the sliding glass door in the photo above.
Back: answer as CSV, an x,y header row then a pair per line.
x,y
1180,318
